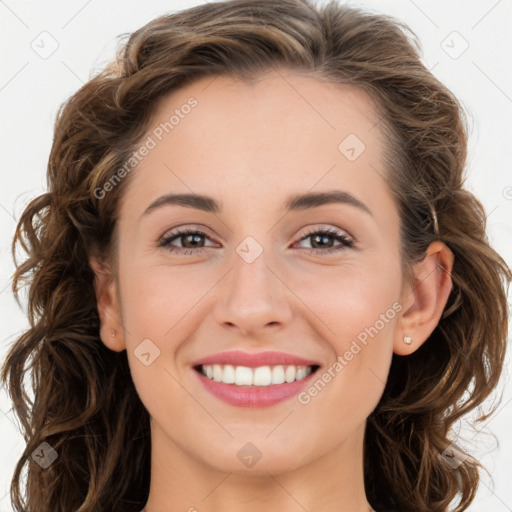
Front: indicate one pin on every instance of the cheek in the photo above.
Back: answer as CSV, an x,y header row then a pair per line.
x,y
155,306
157,298
359,309
155,303
352,298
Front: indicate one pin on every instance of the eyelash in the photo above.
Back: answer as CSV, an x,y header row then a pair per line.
x,y
346,242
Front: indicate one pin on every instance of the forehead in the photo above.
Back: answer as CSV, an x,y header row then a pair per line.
x,y
282,132
282,112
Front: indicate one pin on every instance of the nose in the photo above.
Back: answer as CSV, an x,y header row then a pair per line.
x,y
253,298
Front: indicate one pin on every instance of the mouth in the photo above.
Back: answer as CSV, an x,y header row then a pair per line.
x,y
262,379
255,377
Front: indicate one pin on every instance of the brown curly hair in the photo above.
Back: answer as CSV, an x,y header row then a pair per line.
x,y
83,394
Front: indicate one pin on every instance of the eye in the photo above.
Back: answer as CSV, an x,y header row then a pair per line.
x,y
321,239
190,240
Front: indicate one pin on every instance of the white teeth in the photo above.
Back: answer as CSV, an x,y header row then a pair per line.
x,y
260,376
289,375
217,373
301,373
228,376
278,375
243,375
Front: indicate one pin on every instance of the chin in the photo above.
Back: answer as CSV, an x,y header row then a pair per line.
x,y
273,464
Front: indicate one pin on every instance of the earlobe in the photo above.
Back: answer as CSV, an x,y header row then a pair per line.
x,y
425,299
108,306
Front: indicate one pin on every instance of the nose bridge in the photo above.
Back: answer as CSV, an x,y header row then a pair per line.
x,y
254,296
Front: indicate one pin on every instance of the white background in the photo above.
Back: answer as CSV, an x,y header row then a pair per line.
x,y
32,88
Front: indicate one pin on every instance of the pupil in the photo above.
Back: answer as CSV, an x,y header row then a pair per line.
x,y
194,236
322,238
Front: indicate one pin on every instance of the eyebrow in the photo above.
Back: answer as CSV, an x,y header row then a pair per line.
x,y
295,203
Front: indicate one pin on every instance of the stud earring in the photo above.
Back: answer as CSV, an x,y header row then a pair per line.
x,y
407,339
113,333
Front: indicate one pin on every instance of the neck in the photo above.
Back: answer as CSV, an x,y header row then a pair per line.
x,y
334,482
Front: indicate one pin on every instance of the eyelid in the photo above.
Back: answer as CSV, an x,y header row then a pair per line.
x,y
327,228
178,232
347,240
188,228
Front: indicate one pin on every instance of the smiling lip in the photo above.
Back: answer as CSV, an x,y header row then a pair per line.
x,y
254,396
269,358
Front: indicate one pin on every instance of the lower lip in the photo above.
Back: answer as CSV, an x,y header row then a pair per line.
x,y
253,396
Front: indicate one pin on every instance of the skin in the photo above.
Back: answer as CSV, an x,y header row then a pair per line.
x,y
251,147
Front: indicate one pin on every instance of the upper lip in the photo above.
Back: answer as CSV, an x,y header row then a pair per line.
x,y
269,358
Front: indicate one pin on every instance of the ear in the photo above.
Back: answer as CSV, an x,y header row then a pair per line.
x,y
111,328
424,300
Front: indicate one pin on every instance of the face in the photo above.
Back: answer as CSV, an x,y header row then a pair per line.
x,y
261,273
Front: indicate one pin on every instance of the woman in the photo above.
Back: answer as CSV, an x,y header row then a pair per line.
x,y
256,279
